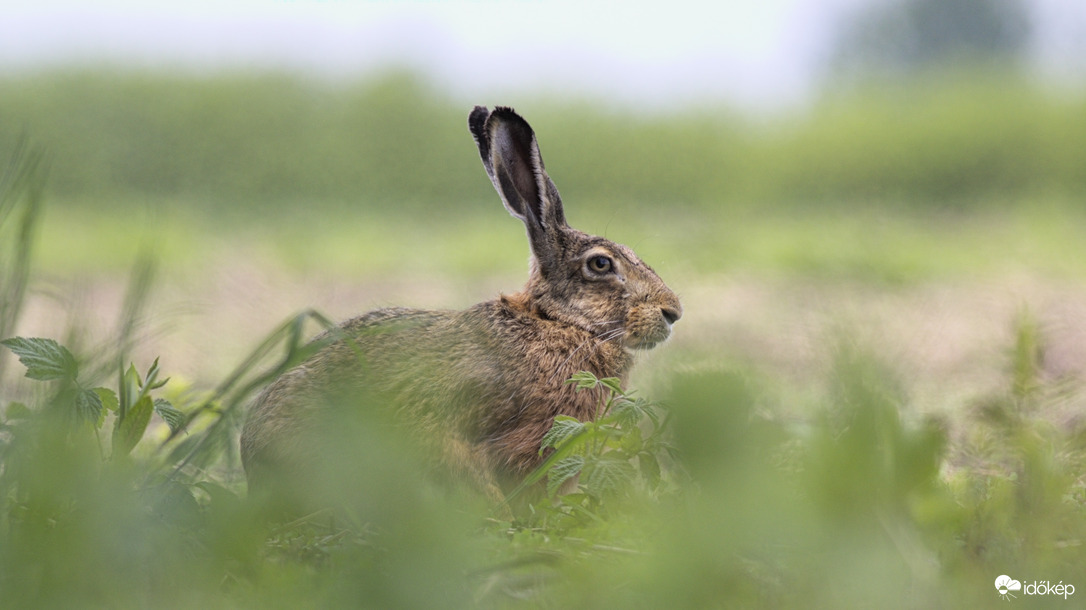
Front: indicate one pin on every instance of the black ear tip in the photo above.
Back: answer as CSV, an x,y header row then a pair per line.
x,y
511,121
477,121
505,112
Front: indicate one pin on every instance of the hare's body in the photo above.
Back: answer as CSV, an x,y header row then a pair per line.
x,y
480,387
453,376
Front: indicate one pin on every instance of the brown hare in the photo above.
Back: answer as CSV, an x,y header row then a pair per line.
x,y
480,387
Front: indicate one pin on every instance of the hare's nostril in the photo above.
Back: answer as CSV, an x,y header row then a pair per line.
x,y
671,315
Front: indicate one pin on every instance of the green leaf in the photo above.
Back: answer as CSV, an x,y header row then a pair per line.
x,y
44,359
88,407
627,412
17,410
564,428
108,398
614,384
570,434
152,382
130,428
672,451
132,376
129,391
562,471
174,419
631,442
606,474
174,503
584,380
649,467
217,493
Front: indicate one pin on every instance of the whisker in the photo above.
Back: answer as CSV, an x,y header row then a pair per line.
x,y
606,336
618,332
611,333
570,357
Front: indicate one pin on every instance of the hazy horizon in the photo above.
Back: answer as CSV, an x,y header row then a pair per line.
x,y
769,55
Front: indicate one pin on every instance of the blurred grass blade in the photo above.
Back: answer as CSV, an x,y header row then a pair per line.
x,y
21,189
140,282
228,398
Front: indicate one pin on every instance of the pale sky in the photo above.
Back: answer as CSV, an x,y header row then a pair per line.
x,y
763,53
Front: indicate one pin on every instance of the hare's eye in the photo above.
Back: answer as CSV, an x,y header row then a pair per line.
x,y
600,264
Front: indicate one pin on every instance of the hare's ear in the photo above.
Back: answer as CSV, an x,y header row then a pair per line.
x,y
511,157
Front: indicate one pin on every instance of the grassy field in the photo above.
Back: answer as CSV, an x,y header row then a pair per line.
x,y
875,392
855,242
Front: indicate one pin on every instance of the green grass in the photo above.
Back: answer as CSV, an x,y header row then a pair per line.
x,y
881,245
262,141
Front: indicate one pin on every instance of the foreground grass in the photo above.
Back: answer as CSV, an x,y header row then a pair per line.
x,y
852,507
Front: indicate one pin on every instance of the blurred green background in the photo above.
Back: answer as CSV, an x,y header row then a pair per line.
x,y
876,384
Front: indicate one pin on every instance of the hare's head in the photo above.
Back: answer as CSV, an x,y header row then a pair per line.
x,y
586,281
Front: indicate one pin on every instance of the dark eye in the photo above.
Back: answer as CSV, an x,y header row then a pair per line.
x,y
600,264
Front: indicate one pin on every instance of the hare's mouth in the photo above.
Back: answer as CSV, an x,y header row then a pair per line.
x,y
643,345
650,326
649,340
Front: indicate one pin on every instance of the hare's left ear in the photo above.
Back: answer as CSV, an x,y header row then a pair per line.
x,y
511,157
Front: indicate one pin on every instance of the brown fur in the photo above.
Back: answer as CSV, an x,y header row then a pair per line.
x,y
480,387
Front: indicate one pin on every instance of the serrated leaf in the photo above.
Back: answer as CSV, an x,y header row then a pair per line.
x,y
563,429
631,442
110,404
614,384
562,471
174,419
130,428
88,407
108,398
44,359
629,412
606,474
584,379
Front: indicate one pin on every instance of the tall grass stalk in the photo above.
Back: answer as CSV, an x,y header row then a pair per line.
x,y
21,204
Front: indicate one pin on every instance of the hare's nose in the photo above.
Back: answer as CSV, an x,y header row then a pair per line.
x,y
671,315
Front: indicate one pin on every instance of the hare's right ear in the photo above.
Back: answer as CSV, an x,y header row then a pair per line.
x,y
511,157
